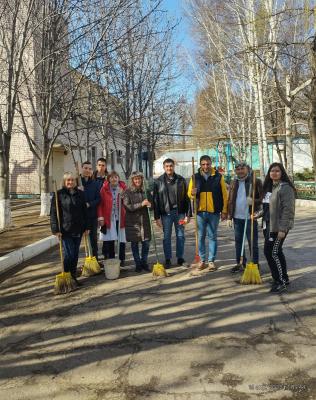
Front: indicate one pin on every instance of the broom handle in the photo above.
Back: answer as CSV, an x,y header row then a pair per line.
x,y
252,212
58,220
79,180
195,211
85,244
245,230
119,223
151,224
244,239
87,237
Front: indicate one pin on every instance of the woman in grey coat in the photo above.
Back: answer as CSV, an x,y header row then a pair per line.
x,y
279,194
137,224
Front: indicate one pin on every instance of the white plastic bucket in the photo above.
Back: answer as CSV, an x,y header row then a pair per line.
x,y
112,268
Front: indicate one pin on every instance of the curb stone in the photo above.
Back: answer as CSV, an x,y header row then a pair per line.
x,y
16,257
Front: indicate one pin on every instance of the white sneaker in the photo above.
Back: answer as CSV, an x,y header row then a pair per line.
x,y
211,266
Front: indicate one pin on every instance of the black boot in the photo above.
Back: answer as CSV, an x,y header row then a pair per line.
x,y
168,264
145,267
138,268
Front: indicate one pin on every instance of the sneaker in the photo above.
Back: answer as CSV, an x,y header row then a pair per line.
x,y
211,266
278,288
237,268
202,265
275,283
180,262
168,264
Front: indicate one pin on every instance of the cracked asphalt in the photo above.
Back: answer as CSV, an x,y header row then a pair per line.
x,y
178,338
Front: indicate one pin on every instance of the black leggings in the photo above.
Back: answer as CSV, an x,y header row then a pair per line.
x,y
108,250
275,256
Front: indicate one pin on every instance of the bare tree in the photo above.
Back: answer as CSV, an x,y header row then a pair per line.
x,y
15,42
54,84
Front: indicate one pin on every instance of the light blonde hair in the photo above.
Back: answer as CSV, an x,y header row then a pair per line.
x,y
69,175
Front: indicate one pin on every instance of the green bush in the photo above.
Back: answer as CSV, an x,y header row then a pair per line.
x,y
306,175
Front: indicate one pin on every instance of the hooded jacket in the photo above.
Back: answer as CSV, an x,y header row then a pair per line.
x,y
106,204
282,207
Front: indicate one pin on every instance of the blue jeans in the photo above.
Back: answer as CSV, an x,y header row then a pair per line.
x,y
71,245
207,224
167,221
239,225
140,260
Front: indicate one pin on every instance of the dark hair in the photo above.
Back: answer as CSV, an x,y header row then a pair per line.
x,y
169,161
267,184
205,158
102,159
86,162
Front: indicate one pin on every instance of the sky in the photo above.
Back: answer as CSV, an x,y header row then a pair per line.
x,y
186,45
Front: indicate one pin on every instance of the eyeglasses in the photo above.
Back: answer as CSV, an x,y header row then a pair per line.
x,y
204,164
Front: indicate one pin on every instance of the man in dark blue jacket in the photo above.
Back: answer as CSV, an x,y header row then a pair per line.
x,y
92,195
101,173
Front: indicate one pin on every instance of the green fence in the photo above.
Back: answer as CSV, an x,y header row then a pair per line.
x,y
306,190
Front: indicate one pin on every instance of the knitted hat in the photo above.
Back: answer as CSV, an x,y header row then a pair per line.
x,y
241,164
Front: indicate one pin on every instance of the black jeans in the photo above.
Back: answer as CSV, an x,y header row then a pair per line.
x,y
108,250
275,256
94,236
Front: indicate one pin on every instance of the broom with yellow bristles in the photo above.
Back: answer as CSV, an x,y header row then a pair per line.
x,y
64,283
158,268
251,274
91,265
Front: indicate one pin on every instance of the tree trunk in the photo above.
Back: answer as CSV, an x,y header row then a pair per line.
x,y
279,153
265,149
259,133
45,193
288,132
312,106
5,209
151,160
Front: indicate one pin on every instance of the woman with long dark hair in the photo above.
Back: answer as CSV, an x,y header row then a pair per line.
x,y
278,219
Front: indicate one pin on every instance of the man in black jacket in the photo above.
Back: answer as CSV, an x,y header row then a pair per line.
x,y
171,206
91,191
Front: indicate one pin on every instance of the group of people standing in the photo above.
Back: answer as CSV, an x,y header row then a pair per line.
x,y
104,207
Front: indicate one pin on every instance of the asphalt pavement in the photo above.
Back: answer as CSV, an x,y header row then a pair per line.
x,y
177,338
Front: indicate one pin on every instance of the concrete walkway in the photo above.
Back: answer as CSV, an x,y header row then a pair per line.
x,y
179,338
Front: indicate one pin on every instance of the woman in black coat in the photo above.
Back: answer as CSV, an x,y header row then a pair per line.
x,y
73,221
137,224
